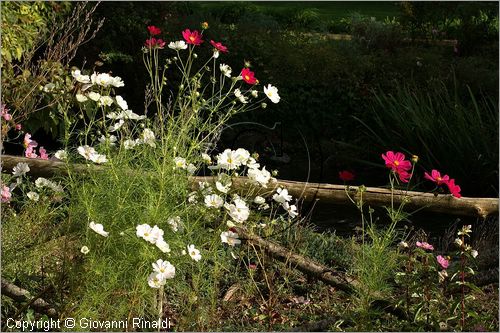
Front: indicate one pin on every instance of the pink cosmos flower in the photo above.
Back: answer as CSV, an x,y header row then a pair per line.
x,y
248,76
18,127
218,46
346,175
43,154
454,189
5,113
397,163
425,246
153,30
6,195
443,261
28,142
155,43
435,176
192,37
30,152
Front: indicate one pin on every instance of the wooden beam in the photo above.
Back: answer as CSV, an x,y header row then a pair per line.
x,y
465,206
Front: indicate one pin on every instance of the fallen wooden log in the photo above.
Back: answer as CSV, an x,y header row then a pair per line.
x,y
21,295
465,206
338,280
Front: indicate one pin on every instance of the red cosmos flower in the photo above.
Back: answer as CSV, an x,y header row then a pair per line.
x,y
218,46
454,189
435,176
346,176
192,37
153,30
248,76
398,164
154,43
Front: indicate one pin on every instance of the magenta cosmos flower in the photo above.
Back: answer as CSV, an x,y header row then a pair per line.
x,y
218,46
346,175
454,189
154,43
425,246
153,30
443,261
248,76
397,163
435,176
192,37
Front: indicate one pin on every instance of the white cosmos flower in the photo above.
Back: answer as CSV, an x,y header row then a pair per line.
x,y
125,114
156,280
240,96
84,250
291,209
43,182
61,154
259,200
117,82
216,54
86,151
225,69
116,126
20,169
178,45
282,195
129,144
165,268
155,235
214,200
121,102
180,162
98,158
148,137
238,210
230,238
101,79
174,223
242,155
272,93
254,93
163,246
223,188
33,196
260,176
192,197
206,158
111,140
458,241
474,253
77,74
252,163
143,230
98,228
194,253
106,101
94,96
228,160
191,168
81,98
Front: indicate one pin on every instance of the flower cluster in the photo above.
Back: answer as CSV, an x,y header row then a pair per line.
x,y
401,167
154,235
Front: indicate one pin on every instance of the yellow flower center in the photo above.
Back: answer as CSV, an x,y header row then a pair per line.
x,y
247,77
396,163
438,179
191,38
